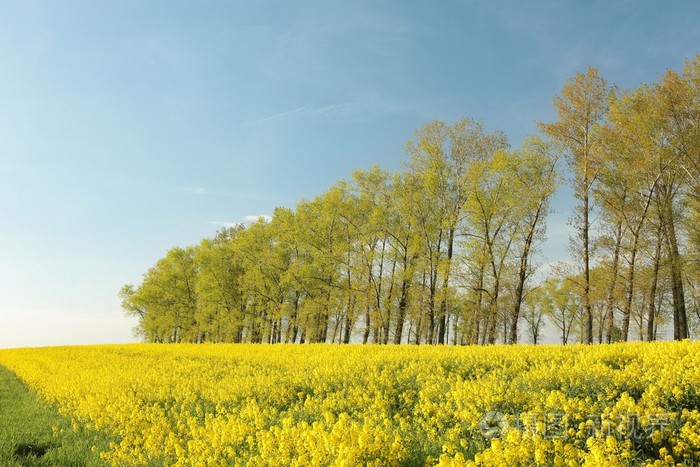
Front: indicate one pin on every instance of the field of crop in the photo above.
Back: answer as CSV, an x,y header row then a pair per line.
x,y
625,404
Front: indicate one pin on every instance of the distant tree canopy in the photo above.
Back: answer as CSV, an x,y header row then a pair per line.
x,y
444,251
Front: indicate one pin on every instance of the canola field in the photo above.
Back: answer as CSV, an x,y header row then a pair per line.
x,y
210,405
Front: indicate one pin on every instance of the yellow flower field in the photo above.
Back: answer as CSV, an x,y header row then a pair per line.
x,y
624,404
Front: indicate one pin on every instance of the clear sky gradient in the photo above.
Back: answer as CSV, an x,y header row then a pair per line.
x,y
130,127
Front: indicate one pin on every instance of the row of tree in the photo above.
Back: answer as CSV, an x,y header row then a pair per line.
x,y
444,250
635,160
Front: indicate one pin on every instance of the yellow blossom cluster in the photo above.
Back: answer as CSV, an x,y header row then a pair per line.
x,y
189,404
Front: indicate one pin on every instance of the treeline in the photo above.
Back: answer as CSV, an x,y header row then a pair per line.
x,y
444,250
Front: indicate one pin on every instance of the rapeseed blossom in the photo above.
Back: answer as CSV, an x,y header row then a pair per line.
x,y
210,405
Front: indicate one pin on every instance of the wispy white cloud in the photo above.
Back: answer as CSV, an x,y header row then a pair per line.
x,y
197,190
224,223
331,109
249,219
279,115
255,217
300,112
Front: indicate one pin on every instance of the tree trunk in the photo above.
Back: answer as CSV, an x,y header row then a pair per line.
x,y
431,308
445,288
522,277
630,290
386,322
586,266
398,332
368,320
368,325
610,304
478,307
680,322
513,331
652,293
346,330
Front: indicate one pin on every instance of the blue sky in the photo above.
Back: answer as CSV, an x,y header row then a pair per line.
x,y
129,127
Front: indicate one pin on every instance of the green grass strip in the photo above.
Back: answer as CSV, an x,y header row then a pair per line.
x,y
33,433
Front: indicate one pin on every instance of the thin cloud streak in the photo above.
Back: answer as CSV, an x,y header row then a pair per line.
x,y
197,190
302,112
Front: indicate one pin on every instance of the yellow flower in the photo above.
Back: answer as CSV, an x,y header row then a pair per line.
x,y
370,405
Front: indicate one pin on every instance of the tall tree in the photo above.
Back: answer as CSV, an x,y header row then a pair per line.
x,y
166,300
287,242
560,303
493,217
441,155
581,108
321,239
672,101
630,176
691,154
218,286
533,177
